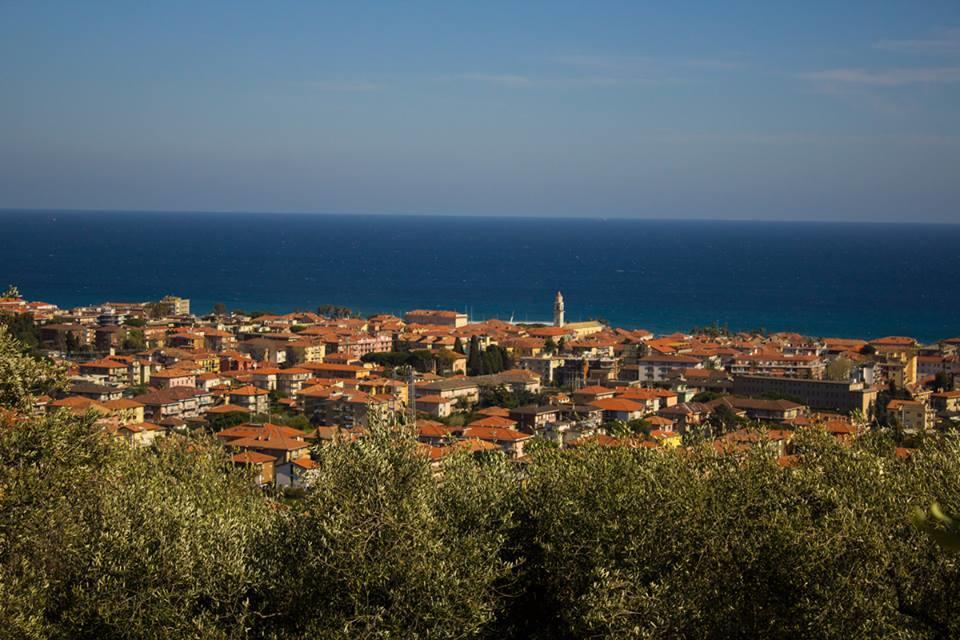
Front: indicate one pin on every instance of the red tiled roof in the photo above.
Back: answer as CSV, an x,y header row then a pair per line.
x,y
248,390
617,404
226,408
494,421
494,434
251,457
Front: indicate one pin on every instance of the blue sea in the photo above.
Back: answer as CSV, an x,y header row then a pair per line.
x,y
826,279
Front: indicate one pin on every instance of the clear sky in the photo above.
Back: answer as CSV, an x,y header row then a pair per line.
x,y
780,110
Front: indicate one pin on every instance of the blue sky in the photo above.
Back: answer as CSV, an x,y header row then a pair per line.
x,y
773,110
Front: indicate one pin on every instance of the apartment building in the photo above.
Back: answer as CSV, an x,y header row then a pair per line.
x,y
828,395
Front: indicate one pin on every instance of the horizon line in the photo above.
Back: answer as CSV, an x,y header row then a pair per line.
x,y
522,216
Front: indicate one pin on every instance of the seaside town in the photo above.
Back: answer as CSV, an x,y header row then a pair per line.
x,y
271,388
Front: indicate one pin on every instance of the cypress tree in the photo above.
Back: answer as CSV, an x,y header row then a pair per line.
x,y
496,361
506,359
474,358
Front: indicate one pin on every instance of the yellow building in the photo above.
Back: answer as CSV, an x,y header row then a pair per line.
x,y
900,367
126,410
913,416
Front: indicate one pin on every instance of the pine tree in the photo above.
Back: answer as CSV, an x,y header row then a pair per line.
x,y
458,345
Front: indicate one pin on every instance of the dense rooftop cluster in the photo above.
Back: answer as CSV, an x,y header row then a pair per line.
x,y
152,369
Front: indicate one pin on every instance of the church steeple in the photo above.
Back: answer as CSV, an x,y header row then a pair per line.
x,y
558,310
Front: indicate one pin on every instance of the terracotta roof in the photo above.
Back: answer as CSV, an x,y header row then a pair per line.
x,y
494,434
617,404
251,457
168,396
103,364
897,341
305,463
475,444
122,403
226,408
432,452
173,373
595,390
80,403
494,421
248,390
433,429
495,411
262,431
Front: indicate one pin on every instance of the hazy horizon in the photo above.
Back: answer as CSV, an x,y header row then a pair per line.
x,y
736,112
516,216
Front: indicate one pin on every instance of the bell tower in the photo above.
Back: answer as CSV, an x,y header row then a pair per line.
x,y
558,310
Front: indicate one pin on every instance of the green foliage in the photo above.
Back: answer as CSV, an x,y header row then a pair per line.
x,y
943,381
10,292
637,544
493,359
384,550
622,429
100,540
713,330
22,327
422,360
134,340
22,377
298,421
724,419
942,528
616,428
838,369
137,390
333,311
444,359
440,360
502,396
71,343
474,357
387,358
707,396
536,445
220,421
549,346
773,395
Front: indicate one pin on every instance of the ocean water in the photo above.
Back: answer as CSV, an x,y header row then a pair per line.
x,y
827,279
